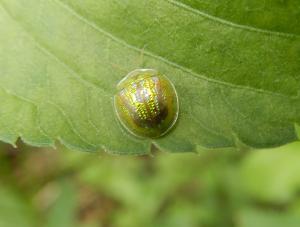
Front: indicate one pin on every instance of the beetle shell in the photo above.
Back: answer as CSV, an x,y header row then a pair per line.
x,y
146,103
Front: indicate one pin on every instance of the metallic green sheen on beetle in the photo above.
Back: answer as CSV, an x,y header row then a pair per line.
x,y
146,103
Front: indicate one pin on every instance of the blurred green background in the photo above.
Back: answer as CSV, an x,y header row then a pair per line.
x,y
62,188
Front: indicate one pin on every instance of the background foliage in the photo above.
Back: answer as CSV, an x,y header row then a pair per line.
x,y
73,189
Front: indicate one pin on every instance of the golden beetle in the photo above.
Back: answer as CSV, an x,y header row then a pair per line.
x,y
146,103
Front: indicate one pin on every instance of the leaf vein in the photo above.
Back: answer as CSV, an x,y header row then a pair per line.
x,y
42,131
61,110
47,52
231,24
160,58
38,122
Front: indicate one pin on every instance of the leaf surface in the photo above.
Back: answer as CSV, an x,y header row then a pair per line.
x,y
60,60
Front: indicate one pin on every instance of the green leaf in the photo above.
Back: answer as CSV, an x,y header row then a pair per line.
x,y
63,211
237,79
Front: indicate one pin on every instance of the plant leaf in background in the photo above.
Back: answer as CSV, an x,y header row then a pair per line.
x,y
235,67
273,174
44,187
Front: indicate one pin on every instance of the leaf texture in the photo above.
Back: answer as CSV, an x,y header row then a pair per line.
x,y
237,80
